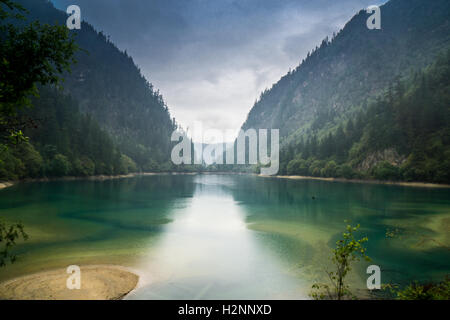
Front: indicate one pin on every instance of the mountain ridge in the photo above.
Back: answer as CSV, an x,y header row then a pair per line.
x,y
290,105
107,120
356,74
111,88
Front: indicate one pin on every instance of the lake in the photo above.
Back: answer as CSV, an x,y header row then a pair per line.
x,y
227,236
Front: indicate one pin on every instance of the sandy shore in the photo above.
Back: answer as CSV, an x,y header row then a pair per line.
x,y
98,282
397,183
6,184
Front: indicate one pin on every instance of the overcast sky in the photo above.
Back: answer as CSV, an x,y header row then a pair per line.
x,y
212,58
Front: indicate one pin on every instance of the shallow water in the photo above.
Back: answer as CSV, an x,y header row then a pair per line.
x,y
220,236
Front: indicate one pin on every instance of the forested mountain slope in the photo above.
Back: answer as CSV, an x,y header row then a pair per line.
x,y
109,86
343,77
107,120
403,135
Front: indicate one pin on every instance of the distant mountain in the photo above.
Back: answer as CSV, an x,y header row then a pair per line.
x,y
108,85
339,81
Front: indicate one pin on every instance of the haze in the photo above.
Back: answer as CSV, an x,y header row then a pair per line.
x,y
212,59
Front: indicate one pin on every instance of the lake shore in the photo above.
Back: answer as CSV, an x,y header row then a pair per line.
x,y
396,183
4,185
7,184
98,282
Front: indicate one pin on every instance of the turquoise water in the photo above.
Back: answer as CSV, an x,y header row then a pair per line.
x,y
226,236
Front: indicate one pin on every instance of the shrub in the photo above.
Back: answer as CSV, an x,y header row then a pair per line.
x,y
127,165
347,251
103,168
346,171
11,168
83,167
297,167
151,166
416,291
330,169
31,159
316,167
386,171
59,166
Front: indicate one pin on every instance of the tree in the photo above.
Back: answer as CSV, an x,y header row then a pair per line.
x,y
346,171
83,167
30,55
32,160
59,166
127,165
386,171
297,167
330,169
347,251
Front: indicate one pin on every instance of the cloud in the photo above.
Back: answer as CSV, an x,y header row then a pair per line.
x,y
212,58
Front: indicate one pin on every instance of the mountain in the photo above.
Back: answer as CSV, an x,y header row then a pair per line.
x,y
109,86
339,81
108,119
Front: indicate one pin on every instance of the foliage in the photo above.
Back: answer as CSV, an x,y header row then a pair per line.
x,y
411,121
363,92
30,54
348,250
417,291
127,165
9,234
10,6
80,147
108,119
386,171
59,166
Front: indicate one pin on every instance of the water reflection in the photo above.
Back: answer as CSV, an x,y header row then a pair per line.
x,y
209,253
250,237
237,237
